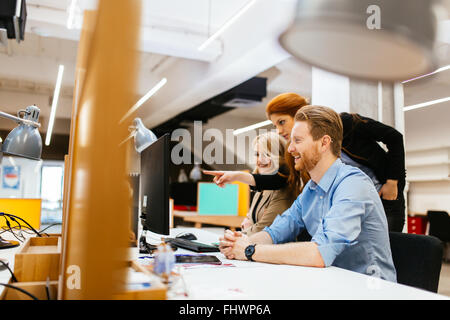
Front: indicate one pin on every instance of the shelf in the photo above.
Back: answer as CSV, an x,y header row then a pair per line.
x,y
428,149
437,163
427,179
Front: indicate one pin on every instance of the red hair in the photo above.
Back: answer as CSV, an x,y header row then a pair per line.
x,y
286,103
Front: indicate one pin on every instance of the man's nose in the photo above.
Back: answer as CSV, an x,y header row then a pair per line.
x,y
291,147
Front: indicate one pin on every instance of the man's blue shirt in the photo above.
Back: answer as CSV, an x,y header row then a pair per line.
x,y
345,217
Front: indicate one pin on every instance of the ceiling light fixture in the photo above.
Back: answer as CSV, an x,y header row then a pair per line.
x,y
51,122
142,100
425,104
253,126
226,25
428,74
71,17
377,40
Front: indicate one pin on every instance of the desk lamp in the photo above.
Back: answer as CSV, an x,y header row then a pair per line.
x,y
23,141
143,137
378,40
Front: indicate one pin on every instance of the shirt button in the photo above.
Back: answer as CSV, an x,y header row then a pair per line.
x,y
321,197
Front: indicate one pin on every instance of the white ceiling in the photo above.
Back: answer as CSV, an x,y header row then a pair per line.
x,y
171,31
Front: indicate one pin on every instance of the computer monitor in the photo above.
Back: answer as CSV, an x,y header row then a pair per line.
x,y
155,186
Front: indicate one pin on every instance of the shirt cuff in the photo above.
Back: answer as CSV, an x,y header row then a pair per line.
x,y
329,252
271,234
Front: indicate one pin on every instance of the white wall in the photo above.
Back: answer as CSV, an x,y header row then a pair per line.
x,y
29,185
427,144
331,90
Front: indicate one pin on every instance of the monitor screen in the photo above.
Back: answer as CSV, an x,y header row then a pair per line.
x,y
155,185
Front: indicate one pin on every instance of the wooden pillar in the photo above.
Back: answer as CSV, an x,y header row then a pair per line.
x,y
98,204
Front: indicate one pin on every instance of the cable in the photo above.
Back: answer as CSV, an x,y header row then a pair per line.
x,y
47,288
19,289
21,229
13,217
10,230
18,226
47,227
14,279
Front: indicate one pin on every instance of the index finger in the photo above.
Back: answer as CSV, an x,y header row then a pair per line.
x,y
214,173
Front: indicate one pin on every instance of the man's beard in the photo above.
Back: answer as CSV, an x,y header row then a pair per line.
x,y
299,166
308,160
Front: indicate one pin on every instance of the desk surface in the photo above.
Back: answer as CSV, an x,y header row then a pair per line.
x,y
232,222
253,280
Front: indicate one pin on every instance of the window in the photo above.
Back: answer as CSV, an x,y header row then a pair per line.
x,y
52,192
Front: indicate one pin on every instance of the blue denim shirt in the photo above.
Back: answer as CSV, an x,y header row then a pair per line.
x,y
345,217
345,158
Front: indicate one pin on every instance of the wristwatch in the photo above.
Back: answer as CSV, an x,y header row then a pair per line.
x,y
249,251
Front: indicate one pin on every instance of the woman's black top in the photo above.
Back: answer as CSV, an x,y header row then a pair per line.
x,y
360,143
268,182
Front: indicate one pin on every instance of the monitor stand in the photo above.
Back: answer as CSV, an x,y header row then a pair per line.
x,y
155,239
144,247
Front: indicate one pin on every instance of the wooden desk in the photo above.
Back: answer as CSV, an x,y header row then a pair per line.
x,y
231,222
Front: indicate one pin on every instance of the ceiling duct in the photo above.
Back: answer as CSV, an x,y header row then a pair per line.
x,y
248,94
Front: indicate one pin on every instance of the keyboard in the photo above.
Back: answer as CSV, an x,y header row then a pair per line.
x,y
192,245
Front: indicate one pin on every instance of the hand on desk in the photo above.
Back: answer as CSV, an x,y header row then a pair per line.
x,y
233,243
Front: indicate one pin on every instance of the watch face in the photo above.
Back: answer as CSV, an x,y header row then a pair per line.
x,y
249,251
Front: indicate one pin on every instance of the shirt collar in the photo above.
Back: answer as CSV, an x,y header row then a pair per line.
x,y
329,176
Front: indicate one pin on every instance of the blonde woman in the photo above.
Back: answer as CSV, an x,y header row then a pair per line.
x,y
267,204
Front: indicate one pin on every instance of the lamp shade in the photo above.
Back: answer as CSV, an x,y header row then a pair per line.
x,y
23,141
370,39
143,137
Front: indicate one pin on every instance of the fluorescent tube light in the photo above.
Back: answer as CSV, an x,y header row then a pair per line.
x,y
253,126
425,104
147,96
428,74
226,25
71,17
54,105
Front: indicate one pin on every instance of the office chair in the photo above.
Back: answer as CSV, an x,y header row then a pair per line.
x,y
440,227
417,259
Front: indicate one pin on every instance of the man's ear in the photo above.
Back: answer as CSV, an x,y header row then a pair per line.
x,y
326,141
